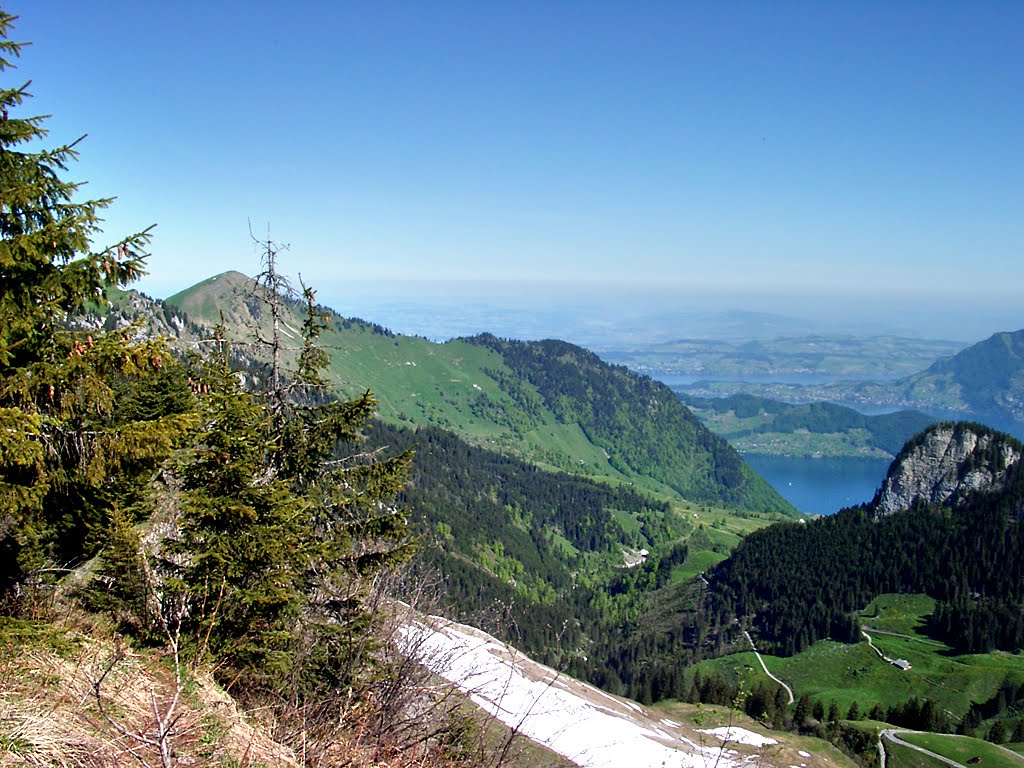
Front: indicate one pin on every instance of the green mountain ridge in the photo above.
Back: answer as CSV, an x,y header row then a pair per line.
x,y
550,403
984,382
760,426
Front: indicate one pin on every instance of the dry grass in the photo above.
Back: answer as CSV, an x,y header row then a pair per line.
x,y
50,714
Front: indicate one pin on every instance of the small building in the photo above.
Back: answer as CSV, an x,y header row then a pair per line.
x,y
902,664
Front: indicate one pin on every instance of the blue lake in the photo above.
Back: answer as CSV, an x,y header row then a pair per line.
x,y
821,486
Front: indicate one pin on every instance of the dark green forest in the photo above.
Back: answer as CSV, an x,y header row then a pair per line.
x,y
797,583
536,557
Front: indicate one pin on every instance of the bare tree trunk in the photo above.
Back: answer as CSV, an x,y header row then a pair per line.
x,y
277,288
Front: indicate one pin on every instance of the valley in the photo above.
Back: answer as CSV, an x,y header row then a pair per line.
x,y
658,409
586,514
557,513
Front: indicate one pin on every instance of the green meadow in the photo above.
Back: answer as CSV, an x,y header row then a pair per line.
x,y
844,673
961,749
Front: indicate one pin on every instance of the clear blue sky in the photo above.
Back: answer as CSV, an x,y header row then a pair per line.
x,y
777,147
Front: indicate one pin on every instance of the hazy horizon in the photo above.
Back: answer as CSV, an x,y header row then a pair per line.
x,y
604,315
586,312
787,150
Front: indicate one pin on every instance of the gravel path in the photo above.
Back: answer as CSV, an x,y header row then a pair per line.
x,y
773,677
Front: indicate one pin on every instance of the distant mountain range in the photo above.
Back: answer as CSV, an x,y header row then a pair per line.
x,y
984,382
800,359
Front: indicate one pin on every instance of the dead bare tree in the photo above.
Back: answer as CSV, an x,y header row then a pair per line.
x,y
276,288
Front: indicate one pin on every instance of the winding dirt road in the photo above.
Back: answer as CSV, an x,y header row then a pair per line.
x,y
761,661
893,735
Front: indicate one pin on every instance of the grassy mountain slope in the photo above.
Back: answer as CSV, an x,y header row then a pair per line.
x,y
637,421
967,687
757,425
602,421
986,380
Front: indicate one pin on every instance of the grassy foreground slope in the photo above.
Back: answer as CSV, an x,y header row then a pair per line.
x,y
550,403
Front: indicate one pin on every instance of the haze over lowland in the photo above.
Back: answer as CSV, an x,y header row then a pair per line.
x,y
799,151
605,316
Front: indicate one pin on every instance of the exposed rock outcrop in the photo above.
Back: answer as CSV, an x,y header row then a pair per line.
x,y
944,464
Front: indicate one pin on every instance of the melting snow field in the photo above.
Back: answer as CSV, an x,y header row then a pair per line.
x,y
579,722
741,736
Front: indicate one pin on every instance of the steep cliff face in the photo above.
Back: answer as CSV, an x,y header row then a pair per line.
x,y
944,464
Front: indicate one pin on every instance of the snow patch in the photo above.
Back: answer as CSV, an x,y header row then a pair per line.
x,y
740,736
553,709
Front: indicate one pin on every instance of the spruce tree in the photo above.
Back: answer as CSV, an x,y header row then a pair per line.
x,y
803,710
997,733
818,711
1018,732
286,523
67,455
833,712
244,534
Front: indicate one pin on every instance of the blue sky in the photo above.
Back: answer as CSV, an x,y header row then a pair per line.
x,y
779,149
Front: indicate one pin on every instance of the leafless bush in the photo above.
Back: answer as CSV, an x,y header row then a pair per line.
x,y
160,731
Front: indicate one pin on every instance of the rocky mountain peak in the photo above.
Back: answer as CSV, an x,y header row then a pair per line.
x,y
946,463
